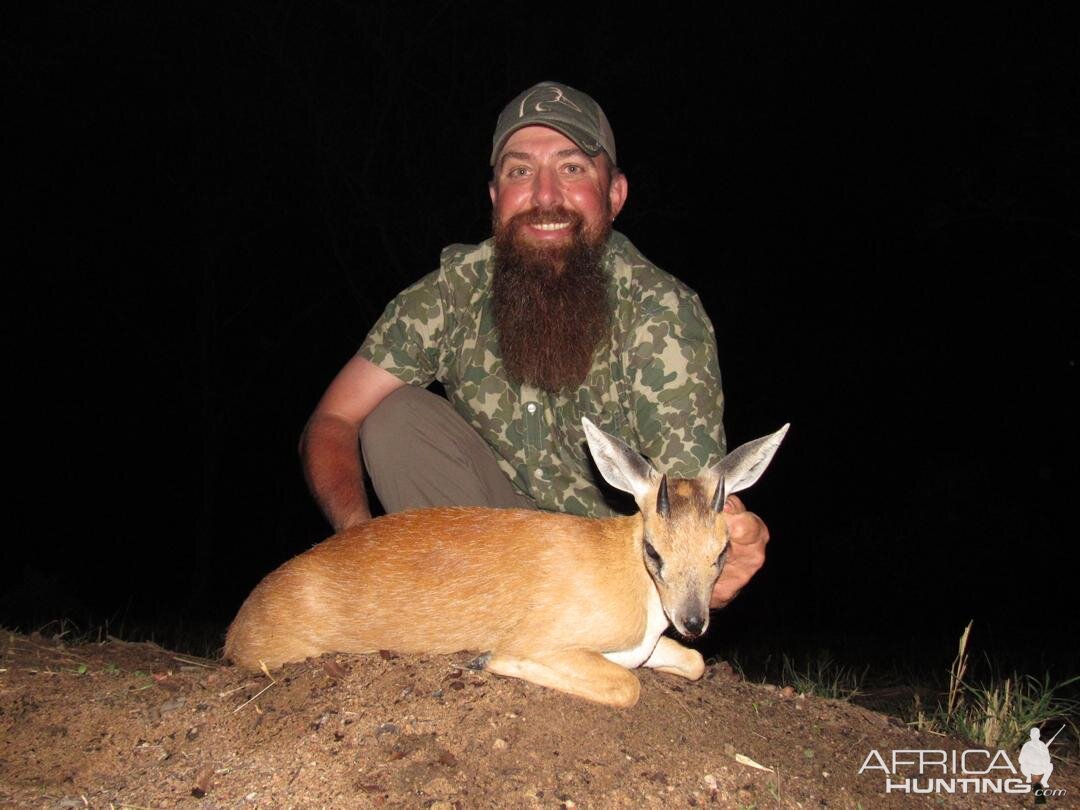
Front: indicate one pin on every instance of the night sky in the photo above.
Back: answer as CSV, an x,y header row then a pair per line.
x,y
880,211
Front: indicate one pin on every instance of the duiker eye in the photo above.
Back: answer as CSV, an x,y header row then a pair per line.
x,y
723,557
652,553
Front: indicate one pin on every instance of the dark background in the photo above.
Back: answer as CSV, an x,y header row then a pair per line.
x,y
879,209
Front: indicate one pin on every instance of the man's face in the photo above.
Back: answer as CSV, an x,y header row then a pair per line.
x,y
548,190
553,207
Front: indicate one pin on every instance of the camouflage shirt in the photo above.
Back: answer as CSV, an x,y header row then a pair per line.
x,y
655,384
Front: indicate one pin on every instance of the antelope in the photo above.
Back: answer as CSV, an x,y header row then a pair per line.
x,y
566,602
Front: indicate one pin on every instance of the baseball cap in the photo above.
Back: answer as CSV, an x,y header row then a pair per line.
x,y
562,108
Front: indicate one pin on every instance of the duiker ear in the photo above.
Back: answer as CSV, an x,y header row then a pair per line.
x,y
622,466
744,465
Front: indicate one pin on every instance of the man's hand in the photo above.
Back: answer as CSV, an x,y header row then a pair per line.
x,y
748,535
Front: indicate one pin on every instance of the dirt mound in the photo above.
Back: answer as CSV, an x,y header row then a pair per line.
x,y
136,725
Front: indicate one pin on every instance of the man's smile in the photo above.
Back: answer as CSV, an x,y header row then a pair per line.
x,y
546,226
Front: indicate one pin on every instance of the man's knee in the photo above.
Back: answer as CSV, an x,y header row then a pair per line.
x,y
407,411
419,451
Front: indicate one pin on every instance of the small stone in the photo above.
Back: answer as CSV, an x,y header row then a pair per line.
x,y
439,786
387,728
787,692
724,671
447,759
500,744
171,705
769,687
334,670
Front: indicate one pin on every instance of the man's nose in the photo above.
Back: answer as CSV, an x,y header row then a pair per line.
x,y
546,192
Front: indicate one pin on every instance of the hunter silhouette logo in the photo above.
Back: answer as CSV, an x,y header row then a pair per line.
x,y
1035,758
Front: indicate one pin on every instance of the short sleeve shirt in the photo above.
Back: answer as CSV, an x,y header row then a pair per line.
x,y
655,383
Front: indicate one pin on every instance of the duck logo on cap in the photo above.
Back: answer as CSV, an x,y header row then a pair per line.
x,y
544,105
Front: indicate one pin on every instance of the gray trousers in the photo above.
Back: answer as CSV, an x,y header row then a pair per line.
x,y
419,452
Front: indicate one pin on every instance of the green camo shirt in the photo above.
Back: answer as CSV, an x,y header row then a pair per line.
x,y
655,384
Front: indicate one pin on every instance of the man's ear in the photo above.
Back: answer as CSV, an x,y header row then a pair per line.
x,y
491,191
617,192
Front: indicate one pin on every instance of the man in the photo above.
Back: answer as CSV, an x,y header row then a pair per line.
x,y
555,318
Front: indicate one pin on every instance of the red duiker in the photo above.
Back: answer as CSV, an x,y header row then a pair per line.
x,y
567,602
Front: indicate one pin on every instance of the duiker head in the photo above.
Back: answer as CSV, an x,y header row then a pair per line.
x,y
686,536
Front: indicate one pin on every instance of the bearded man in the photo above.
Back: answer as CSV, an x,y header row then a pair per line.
x,y
554,318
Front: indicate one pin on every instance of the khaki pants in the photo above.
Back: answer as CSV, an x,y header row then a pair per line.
x,y
419,452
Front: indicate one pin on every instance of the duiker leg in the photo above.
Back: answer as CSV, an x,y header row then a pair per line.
x,y
673,658
584,673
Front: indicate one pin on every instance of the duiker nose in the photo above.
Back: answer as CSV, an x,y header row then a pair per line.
x,y
693,625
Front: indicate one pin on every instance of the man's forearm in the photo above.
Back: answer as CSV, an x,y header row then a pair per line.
x,y
330,454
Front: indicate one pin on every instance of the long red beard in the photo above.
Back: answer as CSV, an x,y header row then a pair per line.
x,y
550,303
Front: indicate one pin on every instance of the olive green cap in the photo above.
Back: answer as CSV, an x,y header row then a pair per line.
x,y
562,108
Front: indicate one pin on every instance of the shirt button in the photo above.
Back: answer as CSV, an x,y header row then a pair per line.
x,y
531,407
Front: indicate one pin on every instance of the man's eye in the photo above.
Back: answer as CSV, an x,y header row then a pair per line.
x,y
518,171
573,168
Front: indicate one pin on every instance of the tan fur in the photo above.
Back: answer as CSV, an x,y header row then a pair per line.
x,y
518,583
566,602
443,580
